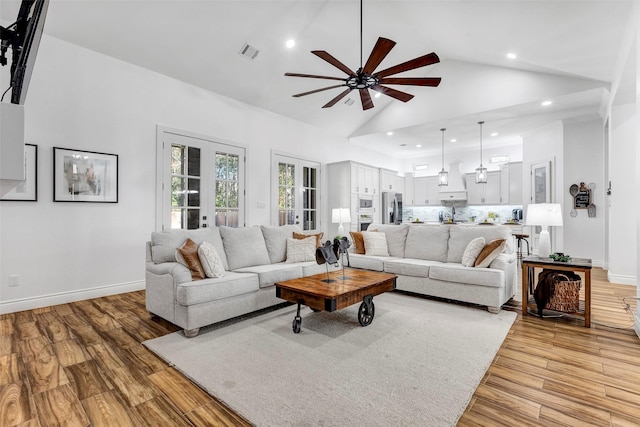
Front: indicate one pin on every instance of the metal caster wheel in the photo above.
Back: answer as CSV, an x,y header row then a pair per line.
x,y
297,324
366,311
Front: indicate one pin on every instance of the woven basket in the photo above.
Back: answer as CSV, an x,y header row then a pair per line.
x,y
565,297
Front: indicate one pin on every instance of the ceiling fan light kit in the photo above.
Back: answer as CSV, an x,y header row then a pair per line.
x,y
365,78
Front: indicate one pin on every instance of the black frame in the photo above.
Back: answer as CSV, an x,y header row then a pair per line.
x,y
108,170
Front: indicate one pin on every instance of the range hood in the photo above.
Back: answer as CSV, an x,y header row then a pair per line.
x,y
456,191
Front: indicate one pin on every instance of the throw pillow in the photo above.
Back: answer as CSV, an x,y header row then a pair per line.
x,y
210,260
301,250
375,243
472,251
301,236
490,252
358,242
189,253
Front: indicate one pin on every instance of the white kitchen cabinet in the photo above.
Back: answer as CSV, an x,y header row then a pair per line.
x,y
511,183
391,181
368,180
426,191
408,190
484,194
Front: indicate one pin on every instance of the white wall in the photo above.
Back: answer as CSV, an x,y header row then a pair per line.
x,y
584,162
84,100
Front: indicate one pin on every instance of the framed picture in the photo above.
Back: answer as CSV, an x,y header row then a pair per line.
x,y
84,176
27,191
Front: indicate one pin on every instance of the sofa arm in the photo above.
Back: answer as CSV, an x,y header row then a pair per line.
x,y
180,273
503,261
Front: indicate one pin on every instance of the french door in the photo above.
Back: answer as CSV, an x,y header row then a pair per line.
x,y
201,182
295,185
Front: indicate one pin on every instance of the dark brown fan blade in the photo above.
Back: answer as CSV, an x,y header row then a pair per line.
x,y
402,96
336,99
365,97
313,76
333,61
380,51
422,61
413,81
297,95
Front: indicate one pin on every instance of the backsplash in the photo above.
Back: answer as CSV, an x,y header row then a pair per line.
x,y
501,213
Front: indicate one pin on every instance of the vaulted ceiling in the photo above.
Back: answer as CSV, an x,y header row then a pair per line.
x,y
567,52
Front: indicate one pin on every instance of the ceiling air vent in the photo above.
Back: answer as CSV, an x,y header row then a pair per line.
x,y
249,51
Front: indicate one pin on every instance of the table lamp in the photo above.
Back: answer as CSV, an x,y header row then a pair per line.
x,y
340,215
544,215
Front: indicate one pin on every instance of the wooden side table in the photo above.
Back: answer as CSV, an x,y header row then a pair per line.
x,y
582,265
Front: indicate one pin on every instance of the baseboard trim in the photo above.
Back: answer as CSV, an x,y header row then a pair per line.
x,y
622,280
67,297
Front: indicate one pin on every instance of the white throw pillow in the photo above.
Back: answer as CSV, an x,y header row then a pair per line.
x,y
210,260
301,250
375,243
472,251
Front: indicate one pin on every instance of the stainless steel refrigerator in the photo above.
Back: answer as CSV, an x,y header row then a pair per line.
x,y
391,208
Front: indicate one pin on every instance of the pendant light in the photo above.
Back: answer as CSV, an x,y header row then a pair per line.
x,y
443,175
481,173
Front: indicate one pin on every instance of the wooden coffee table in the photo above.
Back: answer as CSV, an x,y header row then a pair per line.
x,y
318,294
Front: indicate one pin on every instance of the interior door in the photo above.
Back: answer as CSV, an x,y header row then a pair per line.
x,y
295,184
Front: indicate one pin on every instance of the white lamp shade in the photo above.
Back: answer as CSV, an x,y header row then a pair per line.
x,y
340,215
545,214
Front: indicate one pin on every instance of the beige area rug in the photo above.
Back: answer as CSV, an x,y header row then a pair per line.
x,y
417,364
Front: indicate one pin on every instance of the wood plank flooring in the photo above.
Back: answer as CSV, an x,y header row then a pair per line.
x,y
82,364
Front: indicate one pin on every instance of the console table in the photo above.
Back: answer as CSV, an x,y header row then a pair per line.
x,y
582,265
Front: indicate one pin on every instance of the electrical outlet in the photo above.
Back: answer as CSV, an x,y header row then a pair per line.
x,y
14,280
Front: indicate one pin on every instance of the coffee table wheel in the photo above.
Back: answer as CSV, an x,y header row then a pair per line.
x,y
366,311
297,324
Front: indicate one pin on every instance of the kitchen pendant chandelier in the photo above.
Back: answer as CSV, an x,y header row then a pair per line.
x,y
443,175
481,172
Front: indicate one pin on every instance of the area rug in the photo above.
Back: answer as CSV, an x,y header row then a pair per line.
x,y
418,363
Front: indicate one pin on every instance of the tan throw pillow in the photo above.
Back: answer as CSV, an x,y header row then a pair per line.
x,y
318,237
490,252
301,250
358,242
375,243
210,260
472,251
189,253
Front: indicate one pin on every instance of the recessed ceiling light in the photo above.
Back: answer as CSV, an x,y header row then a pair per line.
x,y
546,103
454,140
290,43
377,95
418,145
494,134
511,55
389,133
403,145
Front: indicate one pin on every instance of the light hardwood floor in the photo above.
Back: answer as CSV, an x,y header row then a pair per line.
x,y
83,364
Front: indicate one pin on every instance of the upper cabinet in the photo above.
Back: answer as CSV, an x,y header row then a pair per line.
x,y
484,194
426,191
511,183
368,179
391,181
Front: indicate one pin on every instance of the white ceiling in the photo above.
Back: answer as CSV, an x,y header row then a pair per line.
x,y
567,51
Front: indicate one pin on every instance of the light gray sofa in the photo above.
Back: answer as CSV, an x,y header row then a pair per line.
x,y
253,258
428,260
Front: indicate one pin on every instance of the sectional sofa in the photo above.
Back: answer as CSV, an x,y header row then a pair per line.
x,y
426,259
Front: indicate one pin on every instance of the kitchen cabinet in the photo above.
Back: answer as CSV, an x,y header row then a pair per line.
x,y
408,190
426,191
484,194
391,181
511,183
368,179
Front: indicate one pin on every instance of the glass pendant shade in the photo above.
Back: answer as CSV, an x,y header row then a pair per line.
x,y
481,172
443,175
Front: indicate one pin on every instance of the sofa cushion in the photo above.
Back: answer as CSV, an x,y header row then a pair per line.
x,y
396,237
301,250
454,272
472,251
207,290
409,267
375,243
275,238
210,260
367,262
244,246
165,243
358,242
461,235
318,237
268,274
188,256
490,252
427,242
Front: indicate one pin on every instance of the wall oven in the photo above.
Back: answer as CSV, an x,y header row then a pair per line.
x,y
364,220
365,202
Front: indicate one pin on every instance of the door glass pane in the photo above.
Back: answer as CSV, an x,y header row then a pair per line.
x,y
193,164
221,166
221,194
232,218
540,177
177,191
233,194
177,216
310,195
193,219
193,195
221,217
177,159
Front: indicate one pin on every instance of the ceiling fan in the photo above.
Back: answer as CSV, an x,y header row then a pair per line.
x,y
365,78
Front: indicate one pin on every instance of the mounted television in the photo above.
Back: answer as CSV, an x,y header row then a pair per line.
x,y
23,37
